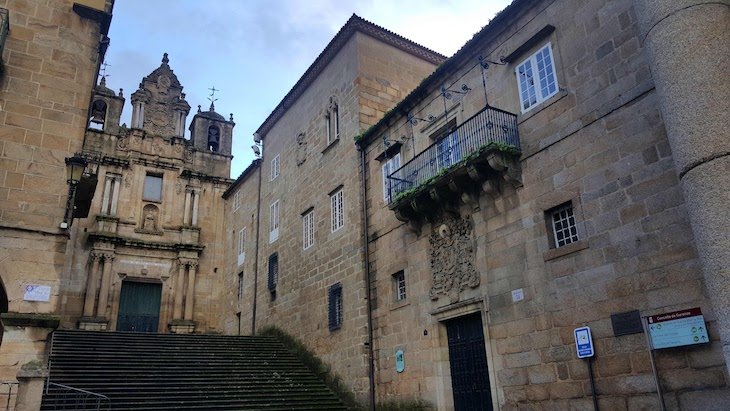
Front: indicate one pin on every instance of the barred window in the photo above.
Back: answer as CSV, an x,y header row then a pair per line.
x,y
399,286
273,274
563,224
240,286
335,307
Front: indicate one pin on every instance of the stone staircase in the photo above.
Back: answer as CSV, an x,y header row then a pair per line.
x,y
183,372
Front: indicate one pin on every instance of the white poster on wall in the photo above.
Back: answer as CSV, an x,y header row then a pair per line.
x,y
37,292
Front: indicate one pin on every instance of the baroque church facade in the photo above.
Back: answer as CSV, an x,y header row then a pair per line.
x,y
152,238
434,229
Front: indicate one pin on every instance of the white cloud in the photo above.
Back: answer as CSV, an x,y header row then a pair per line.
x,y
254,51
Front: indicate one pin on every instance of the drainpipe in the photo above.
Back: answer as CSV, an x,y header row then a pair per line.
x,y
366,253
256,251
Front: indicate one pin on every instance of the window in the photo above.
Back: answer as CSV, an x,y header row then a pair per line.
x,y
338,216
536,78
273,274
390,166
562,225
308,229
152,188
448,149
275,168
111,194
214,134
274,221
335,307
237,201
240,286
399,286
332,122
241,246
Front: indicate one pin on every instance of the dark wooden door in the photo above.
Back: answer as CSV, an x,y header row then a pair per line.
x,y
139,307
468,360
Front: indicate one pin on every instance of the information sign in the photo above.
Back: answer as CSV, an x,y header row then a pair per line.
x,y
678,328
400,361
36,292
583,342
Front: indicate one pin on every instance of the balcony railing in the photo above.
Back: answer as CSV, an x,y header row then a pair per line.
x,y
489,128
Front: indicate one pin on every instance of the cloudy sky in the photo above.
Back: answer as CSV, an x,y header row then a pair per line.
x,y
255,50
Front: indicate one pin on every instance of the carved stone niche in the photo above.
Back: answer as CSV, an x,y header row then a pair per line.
x,y
452,258
150,223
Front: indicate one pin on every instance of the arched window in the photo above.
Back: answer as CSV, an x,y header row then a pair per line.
x,y
332,121
98,114
213,138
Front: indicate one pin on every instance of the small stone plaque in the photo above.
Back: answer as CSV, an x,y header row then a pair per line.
x,y
627,323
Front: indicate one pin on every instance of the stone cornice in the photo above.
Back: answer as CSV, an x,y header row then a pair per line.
x,y
138,243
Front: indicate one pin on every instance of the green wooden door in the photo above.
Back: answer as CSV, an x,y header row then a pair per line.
x,y
139,307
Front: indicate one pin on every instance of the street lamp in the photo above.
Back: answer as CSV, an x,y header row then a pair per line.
x,y
75,167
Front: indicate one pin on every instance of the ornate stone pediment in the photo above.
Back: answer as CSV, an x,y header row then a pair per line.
x,y
452,258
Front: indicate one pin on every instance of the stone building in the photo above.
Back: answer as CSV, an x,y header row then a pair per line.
x,y
146,257
567,164
311,283
492,235
50,59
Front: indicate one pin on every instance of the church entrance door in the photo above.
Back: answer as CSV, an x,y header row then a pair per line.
x,y
139,307
468,360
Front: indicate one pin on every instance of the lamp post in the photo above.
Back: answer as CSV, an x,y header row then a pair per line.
x,y
75,167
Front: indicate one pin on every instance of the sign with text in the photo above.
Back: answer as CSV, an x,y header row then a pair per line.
x,y
583,342
37,292
678,328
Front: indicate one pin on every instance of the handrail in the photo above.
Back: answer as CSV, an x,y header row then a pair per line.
x,y
489,126
72,398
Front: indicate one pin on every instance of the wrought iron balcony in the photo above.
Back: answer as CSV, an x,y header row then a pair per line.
x,y
482,147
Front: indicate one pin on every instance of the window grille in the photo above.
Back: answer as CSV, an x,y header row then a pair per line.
x,y
273,274
335,307
563,225
399,285
275,168
241,246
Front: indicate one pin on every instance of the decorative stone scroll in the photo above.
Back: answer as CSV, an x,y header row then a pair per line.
x,y
452,256
301,148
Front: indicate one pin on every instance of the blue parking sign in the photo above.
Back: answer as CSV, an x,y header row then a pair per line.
x,y
583,342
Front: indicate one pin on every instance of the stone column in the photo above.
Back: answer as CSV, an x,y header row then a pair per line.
x,y
91,285
107,194
196,200
186,214
101,310
190,294
31,379
141,116
135,114
115,194
689,54
179,289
